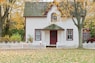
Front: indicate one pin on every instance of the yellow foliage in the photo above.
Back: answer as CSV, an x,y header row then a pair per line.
x,y
18,21
55,2
80,0
89,19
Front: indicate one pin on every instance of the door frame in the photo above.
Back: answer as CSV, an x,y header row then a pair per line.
x,y
51,38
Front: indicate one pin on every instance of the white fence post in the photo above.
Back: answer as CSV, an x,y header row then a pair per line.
x,y
21,45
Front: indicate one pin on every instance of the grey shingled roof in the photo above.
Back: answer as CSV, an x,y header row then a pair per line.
x,y
35,8
53,27
38,8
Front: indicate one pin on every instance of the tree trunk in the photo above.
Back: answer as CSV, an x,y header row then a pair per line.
x,y
80,38
0,28
0,23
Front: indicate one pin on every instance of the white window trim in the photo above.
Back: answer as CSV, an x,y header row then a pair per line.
x,y
69,33
36,35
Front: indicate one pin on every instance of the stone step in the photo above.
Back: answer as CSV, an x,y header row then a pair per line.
x,y
51,46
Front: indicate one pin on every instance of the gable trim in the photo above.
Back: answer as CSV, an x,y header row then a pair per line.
x,y
53,27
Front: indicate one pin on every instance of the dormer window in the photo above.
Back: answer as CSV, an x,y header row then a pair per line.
x,y
53,17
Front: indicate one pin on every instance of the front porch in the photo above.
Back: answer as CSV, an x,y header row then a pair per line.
x,y
52,34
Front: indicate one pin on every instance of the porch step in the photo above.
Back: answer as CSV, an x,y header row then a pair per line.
x,y
51,46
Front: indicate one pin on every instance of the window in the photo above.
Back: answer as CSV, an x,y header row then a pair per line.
x,y
37,35
69,34
53,17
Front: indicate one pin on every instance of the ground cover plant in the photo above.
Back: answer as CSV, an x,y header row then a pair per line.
x,y
47,56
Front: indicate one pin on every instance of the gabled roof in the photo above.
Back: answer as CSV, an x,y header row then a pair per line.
x,y
40,8
53,27
35,8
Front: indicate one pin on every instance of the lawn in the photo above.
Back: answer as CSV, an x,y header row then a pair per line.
x,y
47,56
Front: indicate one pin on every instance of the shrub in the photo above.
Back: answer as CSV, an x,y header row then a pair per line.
x,y
30,39
6,38
16,37
1,39
19,31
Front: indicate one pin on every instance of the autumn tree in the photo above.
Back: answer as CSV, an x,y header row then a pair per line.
x,y
17,20
17,25
11,16
5,8
11,7
93,0
89,23
78,11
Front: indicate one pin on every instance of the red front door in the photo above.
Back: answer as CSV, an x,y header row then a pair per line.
x,y
53,36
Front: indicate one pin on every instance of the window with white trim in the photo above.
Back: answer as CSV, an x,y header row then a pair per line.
x,y
53,17
69,34
37,34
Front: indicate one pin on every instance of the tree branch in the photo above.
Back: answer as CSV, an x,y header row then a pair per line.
x,y
7,9
5,14
83,18
74,22
0,12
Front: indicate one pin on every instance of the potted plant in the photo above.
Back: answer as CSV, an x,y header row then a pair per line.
x,y
30,39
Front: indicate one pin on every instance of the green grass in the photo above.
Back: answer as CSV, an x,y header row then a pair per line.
x,y
47,56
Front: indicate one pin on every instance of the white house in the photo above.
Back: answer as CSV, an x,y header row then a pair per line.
x,y
45,24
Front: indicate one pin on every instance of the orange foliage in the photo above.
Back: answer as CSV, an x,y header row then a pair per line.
x,y
1,1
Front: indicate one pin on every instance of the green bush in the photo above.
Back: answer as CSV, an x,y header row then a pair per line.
x,y
20,31
16,37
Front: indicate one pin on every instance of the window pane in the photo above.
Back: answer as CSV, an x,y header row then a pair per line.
x,y
69,34
38,38
53,17
37,35
37,32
